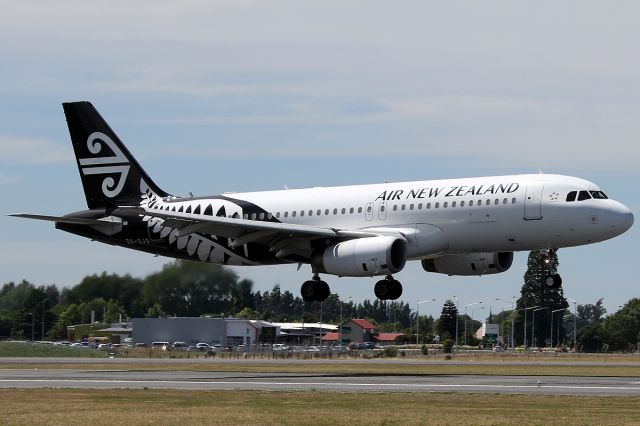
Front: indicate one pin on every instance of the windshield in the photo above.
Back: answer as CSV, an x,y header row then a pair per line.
x,y
598,195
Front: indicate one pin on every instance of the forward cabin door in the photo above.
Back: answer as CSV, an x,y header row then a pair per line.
x,y
369,211
533,201
382,210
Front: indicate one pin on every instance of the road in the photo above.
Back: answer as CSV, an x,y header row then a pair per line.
x,y
189,380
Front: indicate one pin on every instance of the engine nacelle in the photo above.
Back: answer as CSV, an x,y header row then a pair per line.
x,y
469,264
363,257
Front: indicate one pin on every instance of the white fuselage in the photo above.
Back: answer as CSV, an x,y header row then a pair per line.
x,y
487,214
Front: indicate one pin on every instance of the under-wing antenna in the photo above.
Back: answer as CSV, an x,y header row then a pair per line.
x,y
190,194
285,186
540,172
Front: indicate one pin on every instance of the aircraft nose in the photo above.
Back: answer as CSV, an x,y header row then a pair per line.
x,y
623,217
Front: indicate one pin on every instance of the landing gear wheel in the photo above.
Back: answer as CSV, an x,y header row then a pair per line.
x,y
388,289
396,290
553,281
308,291
315,290
382,289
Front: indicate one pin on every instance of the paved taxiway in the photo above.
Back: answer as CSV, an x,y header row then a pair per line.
x,y
188,380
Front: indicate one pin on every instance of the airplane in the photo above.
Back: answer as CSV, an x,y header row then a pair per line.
x,y
469,226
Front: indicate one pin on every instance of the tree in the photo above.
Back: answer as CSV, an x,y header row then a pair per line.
x,y
622,329
535,294
446,324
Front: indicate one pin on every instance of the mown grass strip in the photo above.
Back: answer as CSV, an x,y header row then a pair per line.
x,y
137,407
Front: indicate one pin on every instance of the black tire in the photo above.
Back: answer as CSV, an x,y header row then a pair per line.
x,y
382,289
322,291
396,290
308,291
553,281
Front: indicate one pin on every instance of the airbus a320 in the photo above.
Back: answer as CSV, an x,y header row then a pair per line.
x,y
468,226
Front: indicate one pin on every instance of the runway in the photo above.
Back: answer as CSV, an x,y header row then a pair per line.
x,y
188,380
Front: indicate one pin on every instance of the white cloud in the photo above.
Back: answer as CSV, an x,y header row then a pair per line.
x,y
32,151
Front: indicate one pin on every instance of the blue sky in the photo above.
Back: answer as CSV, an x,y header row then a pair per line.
x,y
243,95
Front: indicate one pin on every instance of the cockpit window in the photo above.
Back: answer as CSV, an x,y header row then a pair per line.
x,y
598,195
572,196
583,195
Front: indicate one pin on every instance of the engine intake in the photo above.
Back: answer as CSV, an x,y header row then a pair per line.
x,y
363,257
469,264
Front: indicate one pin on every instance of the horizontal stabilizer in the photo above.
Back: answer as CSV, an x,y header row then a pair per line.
x,y
60,219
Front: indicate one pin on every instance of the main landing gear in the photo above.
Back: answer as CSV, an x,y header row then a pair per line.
x,y
388,289
315,290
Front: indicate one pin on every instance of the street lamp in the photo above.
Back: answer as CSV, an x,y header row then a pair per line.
x,y
575,315
513,314
472,311
465,319
553,312
43,318
457,319
418,318
533,324
525,323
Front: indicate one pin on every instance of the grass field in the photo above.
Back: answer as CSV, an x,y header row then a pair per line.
x,y
140,407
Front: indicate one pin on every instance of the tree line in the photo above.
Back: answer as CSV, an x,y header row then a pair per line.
x,y
184,288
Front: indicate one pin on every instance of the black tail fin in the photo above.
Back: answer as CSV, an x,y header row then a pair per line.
x,y
110,175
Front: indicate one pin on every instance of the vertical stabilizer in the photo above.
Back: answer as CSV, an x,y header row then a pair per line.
x,y
110,175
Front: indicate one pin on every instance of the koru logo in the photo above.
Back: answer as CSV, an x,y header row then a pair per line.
x,y
113,164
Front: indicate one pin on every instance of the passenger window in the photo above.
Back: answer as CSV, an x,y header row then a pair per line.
x,y
286,214
410,206
301,213
395,207
253,216
471,203
360,209
420,206
351,210
453,204
382,208
496,202
278,215
245,216
428,206
437,205
270,215
403,207
504,201
571,196
310,212
446,204
261,216
584,195
344,210
461,203
335,211
488,203
293,213
513,201
318,212
326,212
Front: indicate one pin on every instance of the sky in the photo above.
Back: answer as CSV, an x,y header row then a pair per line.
x,y
245,95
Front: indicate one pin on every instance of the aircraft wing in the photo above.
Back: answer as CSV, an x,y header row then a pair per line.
x,y
286,238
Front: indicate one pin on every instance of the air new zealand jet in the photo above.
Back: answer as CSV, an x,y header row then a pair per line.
x,y
469,226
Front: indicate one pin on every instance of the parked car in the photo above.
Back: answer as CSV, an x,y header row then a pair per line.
x,y
179,345
204,347
160,345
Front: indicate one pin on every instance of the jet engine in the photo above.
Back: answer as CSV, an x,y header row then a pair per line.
x,y
469,264
363,257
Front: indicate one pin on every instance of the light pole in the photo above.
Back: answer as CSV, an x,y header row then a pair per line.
x,y
533,324
513,314
472,311
465,319
418,318
575,315
43,318
525,323
457,319
553,312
